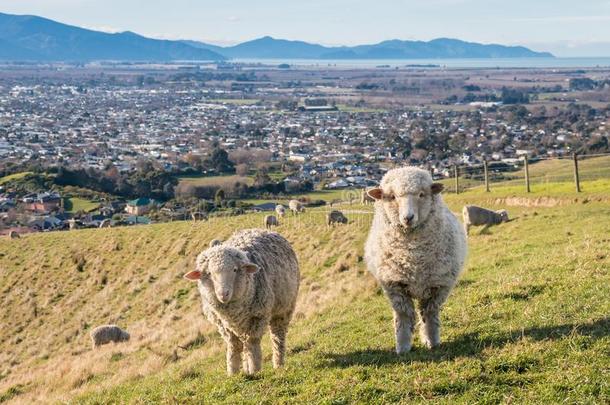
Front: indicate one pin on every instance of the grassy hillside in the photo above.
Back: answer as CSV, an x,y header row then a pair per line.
x,y
528,322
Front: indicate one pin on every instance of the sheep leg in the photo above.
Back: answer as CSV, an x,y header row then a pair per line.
x,y
404,316
429,313
234,351
278,328
254,355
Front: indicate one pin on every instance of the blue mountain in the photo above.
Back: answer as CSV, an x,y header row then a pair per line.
x,y
36,38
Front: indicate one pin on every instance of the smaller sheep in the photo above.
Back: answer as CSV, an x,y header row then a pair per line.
x,y
215,242
270,220
296,206
335,217
106,334
199,216
474,215
106,223
365,198
13,235
280,210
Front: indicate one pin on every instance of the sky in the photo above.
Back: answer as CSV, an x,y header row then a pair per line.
x,y
563,27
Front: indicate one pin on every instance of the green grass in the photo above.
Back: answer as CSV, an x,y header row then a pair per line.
x,y
76,204
527,323
215,180
13,177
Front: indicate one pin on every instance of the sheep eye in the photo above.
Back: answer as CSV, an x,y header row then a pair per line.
x,y
389,197
235,270
421,195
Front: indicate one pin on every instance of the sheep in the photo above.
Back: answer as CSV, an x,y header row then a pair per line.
x,y
199,216
280,210
215,242
365,198
473,215
247,284
335,217
416,250
106,334
296,206
270,220
13,235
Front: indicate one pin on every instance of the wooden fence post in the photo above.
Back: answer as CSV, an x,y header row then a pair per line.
x,y
486,175
576,177
457,182
527,174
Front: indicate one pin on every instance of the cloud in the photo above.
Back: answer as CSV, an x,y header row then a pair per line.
x,y
564,19
233,18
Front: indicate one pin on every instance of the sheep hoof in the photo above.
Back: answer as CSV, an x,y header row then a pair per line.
x,y
403,350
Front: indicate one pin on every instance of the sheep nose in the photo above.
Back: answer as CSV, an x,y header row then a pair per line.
x,y
409,218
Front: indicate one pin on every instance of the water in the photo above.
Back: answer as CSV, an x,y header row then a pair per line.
x,y
592,62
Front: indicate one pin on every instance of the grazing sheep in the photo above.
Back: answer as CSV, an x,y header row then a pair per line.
x,y
365,198
473,215
199,216
335,217
106,223
416,250
247,284
13,235
270,220
107,334
296,206
215,242
280,210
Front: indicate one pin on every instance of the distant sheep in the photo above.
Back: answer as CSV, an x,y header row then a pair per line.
x,y
473,215
215,242
270,220
365,198
280,210
106,223
335,217
416,250
296,206
13,235
248,284
199,216
107,334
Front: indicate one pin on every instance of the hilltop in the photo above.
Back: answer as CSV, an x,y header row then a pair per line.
x,y
527,322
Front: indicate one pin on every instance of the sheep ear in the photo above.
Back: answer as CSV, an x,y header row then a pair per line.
x,y
194,275
436,188
249,268
375,193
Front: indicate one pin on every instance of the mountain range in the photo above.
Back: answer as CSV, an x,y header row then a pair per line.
x,y
32,38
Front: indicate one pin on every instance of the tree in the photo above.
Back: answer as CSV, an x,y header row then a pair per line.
x,y
219,197
262,177
219,161
242,169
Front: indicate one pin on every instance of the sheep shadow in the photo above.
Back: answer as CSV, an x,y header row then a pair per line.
x,y
468,345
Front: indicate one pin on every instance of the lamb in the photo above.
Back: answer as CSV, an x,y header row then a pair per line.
x,y
365,198
248,283
215,242
270,220
296,206
416,250
335,217
280,210
104,334
13,235
473,215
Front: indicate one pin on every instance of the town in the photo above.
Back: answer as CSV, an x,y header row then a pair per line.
x,y
102,145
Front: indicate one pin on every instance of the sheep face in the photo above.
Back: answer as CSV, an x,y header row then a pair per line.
x,y
407,197
503,215
223,271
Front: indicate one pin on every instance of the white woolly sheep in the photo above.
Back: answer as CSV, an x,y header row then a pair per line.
x,y
473,215
215,242
416,250
247,284
270,220
335,217
296,206
280,210
104,334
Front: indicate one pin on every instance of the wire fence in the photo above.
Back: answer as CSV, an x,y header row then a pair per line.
x,y
530,173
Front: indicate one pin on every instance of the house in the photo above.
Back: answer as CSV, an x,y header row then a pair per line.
x,y
139,206
44,202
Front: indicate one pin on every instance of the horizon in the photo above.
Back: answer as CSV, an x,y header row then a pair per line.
x,y
539,26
